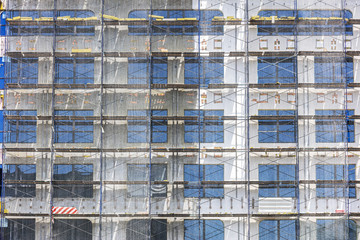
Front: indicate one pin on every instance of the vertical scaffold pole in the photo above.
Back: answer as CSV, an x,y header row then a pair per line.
x,y
101,120
3,150
297,131
345,121
199,116
247,120
52,146
149,114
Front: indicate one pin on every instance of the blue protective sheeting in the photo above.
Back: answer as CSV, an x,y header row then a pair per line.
x,y
1,125
2,78
2,73
306,29
3,24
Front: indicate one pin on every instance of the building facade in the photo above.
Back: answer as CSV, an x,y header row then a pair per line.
x,y
180,119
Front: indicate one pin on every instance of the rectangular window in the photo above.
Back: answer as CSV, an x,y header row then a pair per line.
x,y
195,174
320,97
263,44
323,30
139,71
74,70
209,126
203,229
276,69
138,126
47,30
218,98
65,30
274,30
65,229
140,172
19,229
276,129
335,173
218,44
335,130
140,229
338,229
75,174
348,44
20,173
189,26
21,126
290,44
274,174
277,229
319,43
75,127
308,23
204,70
75,30
22,71
21,30
334,70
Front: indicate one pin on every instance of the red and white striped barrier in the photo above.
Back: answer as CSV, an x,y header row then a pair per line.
x,y
64,210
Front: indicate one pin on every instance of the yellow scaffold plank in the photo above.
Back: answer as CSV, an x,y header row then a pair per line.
x,y
90,18
219,18
81,50
44,19
20,19
5,210
156,16
186,19
105,16
65,18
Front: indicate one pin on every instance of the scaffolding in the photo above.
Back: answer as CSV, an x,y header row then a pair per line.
x,y
154,120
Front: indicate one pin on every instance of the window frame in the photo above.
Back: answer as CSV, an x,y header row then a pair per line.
x,y
15,126
145,132
19,228
16,70
208,66
191,134
194,189
154,72
38,30
145,187
278,124
347,133
79,229
278,231
278,186
350,189
69,190
310,30
346,75
75,62
135,232
75,125
201,226
205,20
274,62
335,228
19,190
